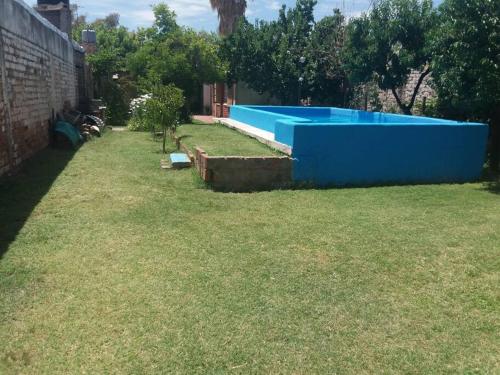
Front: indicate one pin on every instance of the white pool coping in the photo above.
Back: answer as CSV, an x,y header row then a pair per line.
x,y
262,136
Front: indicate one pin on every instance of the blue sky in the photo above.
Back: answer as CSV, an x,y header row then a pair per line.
x,y
198,14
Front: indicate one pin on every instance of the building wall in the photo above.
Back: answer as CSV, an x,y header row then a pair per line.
x,y
38,79
247,96
389,103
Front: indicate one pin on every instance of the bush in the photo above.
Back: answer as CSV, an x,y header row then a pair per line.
x,y
138,120
116,106
163,109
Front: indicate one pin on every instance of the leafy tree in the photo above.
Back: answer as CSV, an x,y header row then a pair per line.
x,y
112,20
291,57
466,64
170,54
326,50
114,44
116,103
163,109
390,42
165,19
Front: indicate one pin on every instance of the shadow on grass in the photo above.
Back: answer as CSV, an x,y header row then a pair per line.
x,y
20,194
492,186
200,123
490,181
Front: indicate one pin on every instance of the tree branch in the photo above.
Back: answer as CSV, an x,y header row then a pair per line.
x,y
407,108
424,74
401,105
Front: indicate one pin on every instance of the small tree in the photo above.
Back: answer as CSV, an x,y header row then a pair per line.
x,y
466,63
390,42
163,110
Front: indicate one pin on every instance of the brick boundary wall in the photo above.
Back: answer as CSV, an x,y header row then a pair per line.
x,y
426,91
244,174
38,79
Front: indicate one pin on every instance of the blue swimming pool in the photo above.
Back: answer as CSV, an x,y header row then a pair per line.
x,y
334,146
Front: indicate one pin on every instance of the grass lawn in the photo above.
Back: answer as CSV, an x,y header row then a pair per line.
x,y
111,265
219,140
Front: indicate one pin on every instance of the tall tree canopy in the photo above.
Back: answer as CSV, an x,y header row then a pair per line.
x,y
229,12
171,54
466,62
114,44
388,43
290,57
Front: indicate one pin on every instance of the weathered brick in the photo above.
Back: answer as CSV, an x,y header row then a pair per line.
x,y
39,73
240,174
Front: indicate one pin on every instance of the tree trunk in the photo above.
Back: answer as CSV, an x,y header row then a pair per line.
x,y
403,107
407,108
164,140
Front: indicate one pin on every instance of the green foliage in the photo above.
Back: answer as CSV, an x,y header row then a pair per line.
x,y
428,108
466,63
165,19
366,97
116,103
388,43
327,41
114,44
162,110
135,125
170,54
289,57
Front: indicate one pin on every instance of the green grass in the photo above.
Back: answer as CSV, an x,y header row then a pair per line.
x,y
111,265
219,140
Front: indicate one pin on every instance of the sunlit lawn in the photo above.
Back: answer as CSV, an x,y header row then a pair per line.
x,y
115,266
218,140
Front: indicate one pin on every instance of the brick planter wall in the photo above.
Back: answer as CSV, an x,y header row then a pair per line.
x,y
244,174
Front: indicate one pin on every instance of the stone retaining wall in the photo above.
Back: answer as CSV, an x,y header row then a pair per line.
x,y
244,174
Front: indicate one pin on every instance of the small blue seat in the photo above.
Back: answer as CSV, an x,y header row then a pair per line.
x,y
180,161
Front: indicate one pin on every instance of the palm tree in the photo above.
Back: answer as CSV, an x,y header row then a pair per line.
x,y
229,11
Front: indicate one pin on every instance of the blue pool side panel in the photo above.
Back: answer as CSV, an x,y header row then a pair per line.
x,y
388,154
370,148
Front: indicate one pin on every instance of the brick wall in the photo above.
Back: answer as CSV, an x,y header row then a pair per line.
x,y
38,79
389,103
243,174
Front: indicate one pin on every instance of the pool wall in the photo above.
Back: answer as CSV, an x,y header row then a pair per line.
x,y
372,148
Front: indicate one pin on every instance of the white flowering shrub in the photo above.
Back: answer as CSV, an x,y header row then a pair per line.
x,y
138,119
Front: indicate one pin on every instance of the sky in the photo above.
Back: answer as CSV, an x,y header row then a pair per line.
x,y
198,14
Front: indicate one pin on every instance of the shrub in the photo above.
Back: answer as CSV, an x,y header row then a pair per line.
x,y
138,120
162,110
